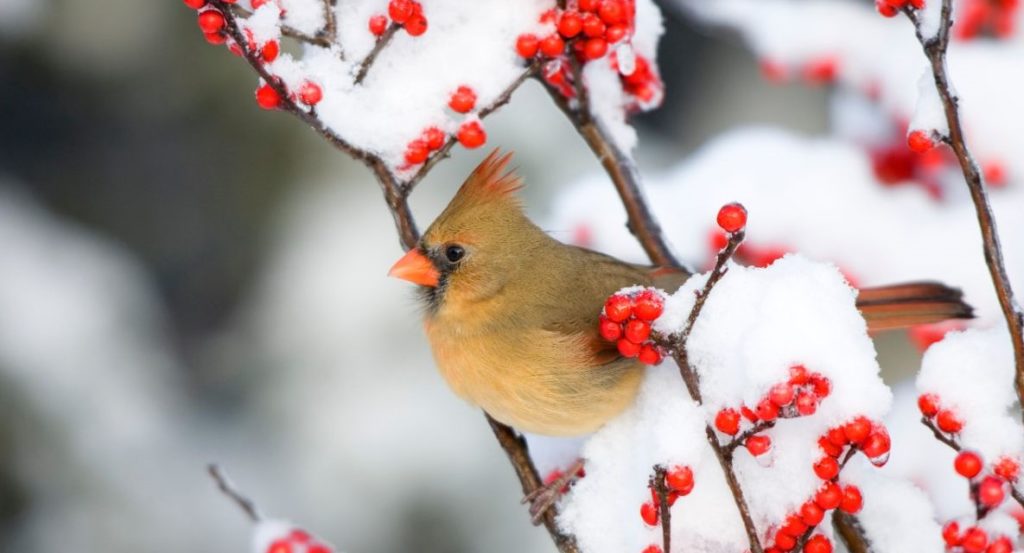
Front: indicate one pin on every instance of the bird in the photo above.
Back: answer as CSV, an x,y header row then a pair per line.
x,y
511,313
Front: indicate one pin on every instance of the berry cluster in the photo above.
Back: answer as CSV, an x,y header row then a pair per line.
x,y
974,539
407,13
871,438
816,71
643,84
997,18
214,26
831,495
989,490
890,8
588,26
946,419
679,483
298,541
626,320
470,134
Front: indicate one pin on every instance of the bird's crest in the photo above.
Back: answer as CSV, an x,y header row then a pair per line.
x,y
490,181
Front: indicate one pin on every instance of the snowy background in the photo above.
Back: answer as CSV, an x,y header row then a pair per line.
x,y
185,278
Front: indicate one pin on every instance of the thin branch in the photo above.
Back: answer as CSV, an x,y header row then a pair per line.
x,y
330,30
286,30
657,483
935,50
382,42
741,438
226,488
851,531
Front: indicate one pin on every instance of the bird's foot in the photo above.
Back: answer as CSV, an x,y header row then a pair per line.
x,y
556,484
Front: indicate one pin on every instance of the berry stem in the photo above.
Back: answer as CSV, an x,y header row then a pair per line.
x,y
935,50
286,30
382,42
741,438
657,483
226,488
330,30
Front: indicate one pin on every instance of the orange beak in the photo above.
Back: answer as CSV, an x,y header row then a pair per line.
x,y
416,268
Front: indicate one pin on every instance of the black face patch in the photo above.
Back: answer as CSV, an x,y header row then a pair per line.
x,y
446,259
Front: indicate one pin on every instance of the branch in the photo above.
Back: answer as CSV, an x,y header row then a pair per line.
x,y
739,440
286,30
330,30
382,41
851,531
226,488
935,50
657,483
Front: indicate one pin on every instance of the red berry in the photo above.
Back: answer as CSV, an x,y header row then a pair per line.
x,y
570,24
552,46
593,27
416,25
818,544
829,496
852,500
267,97
589,5
527,45
766,410
806,404
257,3
748,414
829,448
798,375
974,540
609,329
615,33
648,306
811,514
310,93
280,546
877,446
618,307
378,24
826,468
434,137
758,444
781,394
885,9
195,4
951,533
471,134
595,48
1007,468
794,526
270,51
649,513
463,99
991,492
948,421
857,430
299,535
928,404
821,70
215,38
637,331
611,11
680,479
732,217
318,548
917,4
400,10
822,385
211,21
1001,545
727,421
784,541
628,349
649,355
837,436
652,549
416,152
967,464
920,142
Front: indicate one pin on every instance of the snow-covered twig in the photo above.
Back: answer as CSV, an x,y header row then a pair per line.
x,y
330,30
657,483
382,42
225,487
935,48
322,39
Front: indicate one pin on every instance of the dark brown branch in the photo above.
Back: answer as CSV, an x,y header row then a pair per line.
x,y
288,31
741,438
657,483
330,30
851,532
382,42
935,50
225,487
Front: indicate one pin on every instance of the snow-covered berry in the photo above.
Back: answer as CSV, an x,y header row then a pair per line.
x,y
928,404
826,468
991,492
830,495
680,479
310,93
919,141
732,217
852,500
727,421
948,421
758,444
471,134
463,99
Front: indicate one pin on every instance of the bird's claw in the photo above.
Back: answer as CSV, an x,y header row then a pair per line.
x,y
546,495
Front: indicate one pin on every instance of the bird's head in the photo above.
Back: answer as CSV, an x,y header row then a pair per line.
x,y
477,244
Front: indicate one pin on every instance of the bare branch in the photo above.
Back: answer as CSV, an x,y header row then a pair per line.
x,y
288,31
935,50
741,438
851,532
657,483
382,42
226,488
330,30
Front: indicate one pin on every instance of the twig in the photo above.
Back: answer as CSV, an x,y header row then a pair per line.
x,y
382,41
330,30
740,438
935,50
657,483
225,487
286,30
851,531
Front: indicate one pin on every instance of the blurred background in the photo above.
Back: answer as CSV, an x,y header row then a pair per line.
x,y
185,278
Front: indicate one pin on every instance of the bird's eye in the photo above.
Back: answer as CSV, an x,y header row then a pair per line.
x,y
454,253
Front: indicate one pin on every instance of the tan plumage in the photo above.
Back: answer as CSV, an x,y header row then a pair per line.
x,y
513,321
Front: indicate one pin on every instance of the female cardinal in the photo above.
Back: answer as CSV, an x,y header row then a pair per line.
x,y
511,313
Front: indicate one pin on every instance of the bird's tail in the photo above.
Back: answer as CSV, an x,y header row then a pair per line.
x,y
911,303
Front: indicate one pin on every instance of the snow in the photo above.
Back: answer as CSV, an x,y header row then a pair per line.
x,y
972,373
267,532
896,515
929,115
755,325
